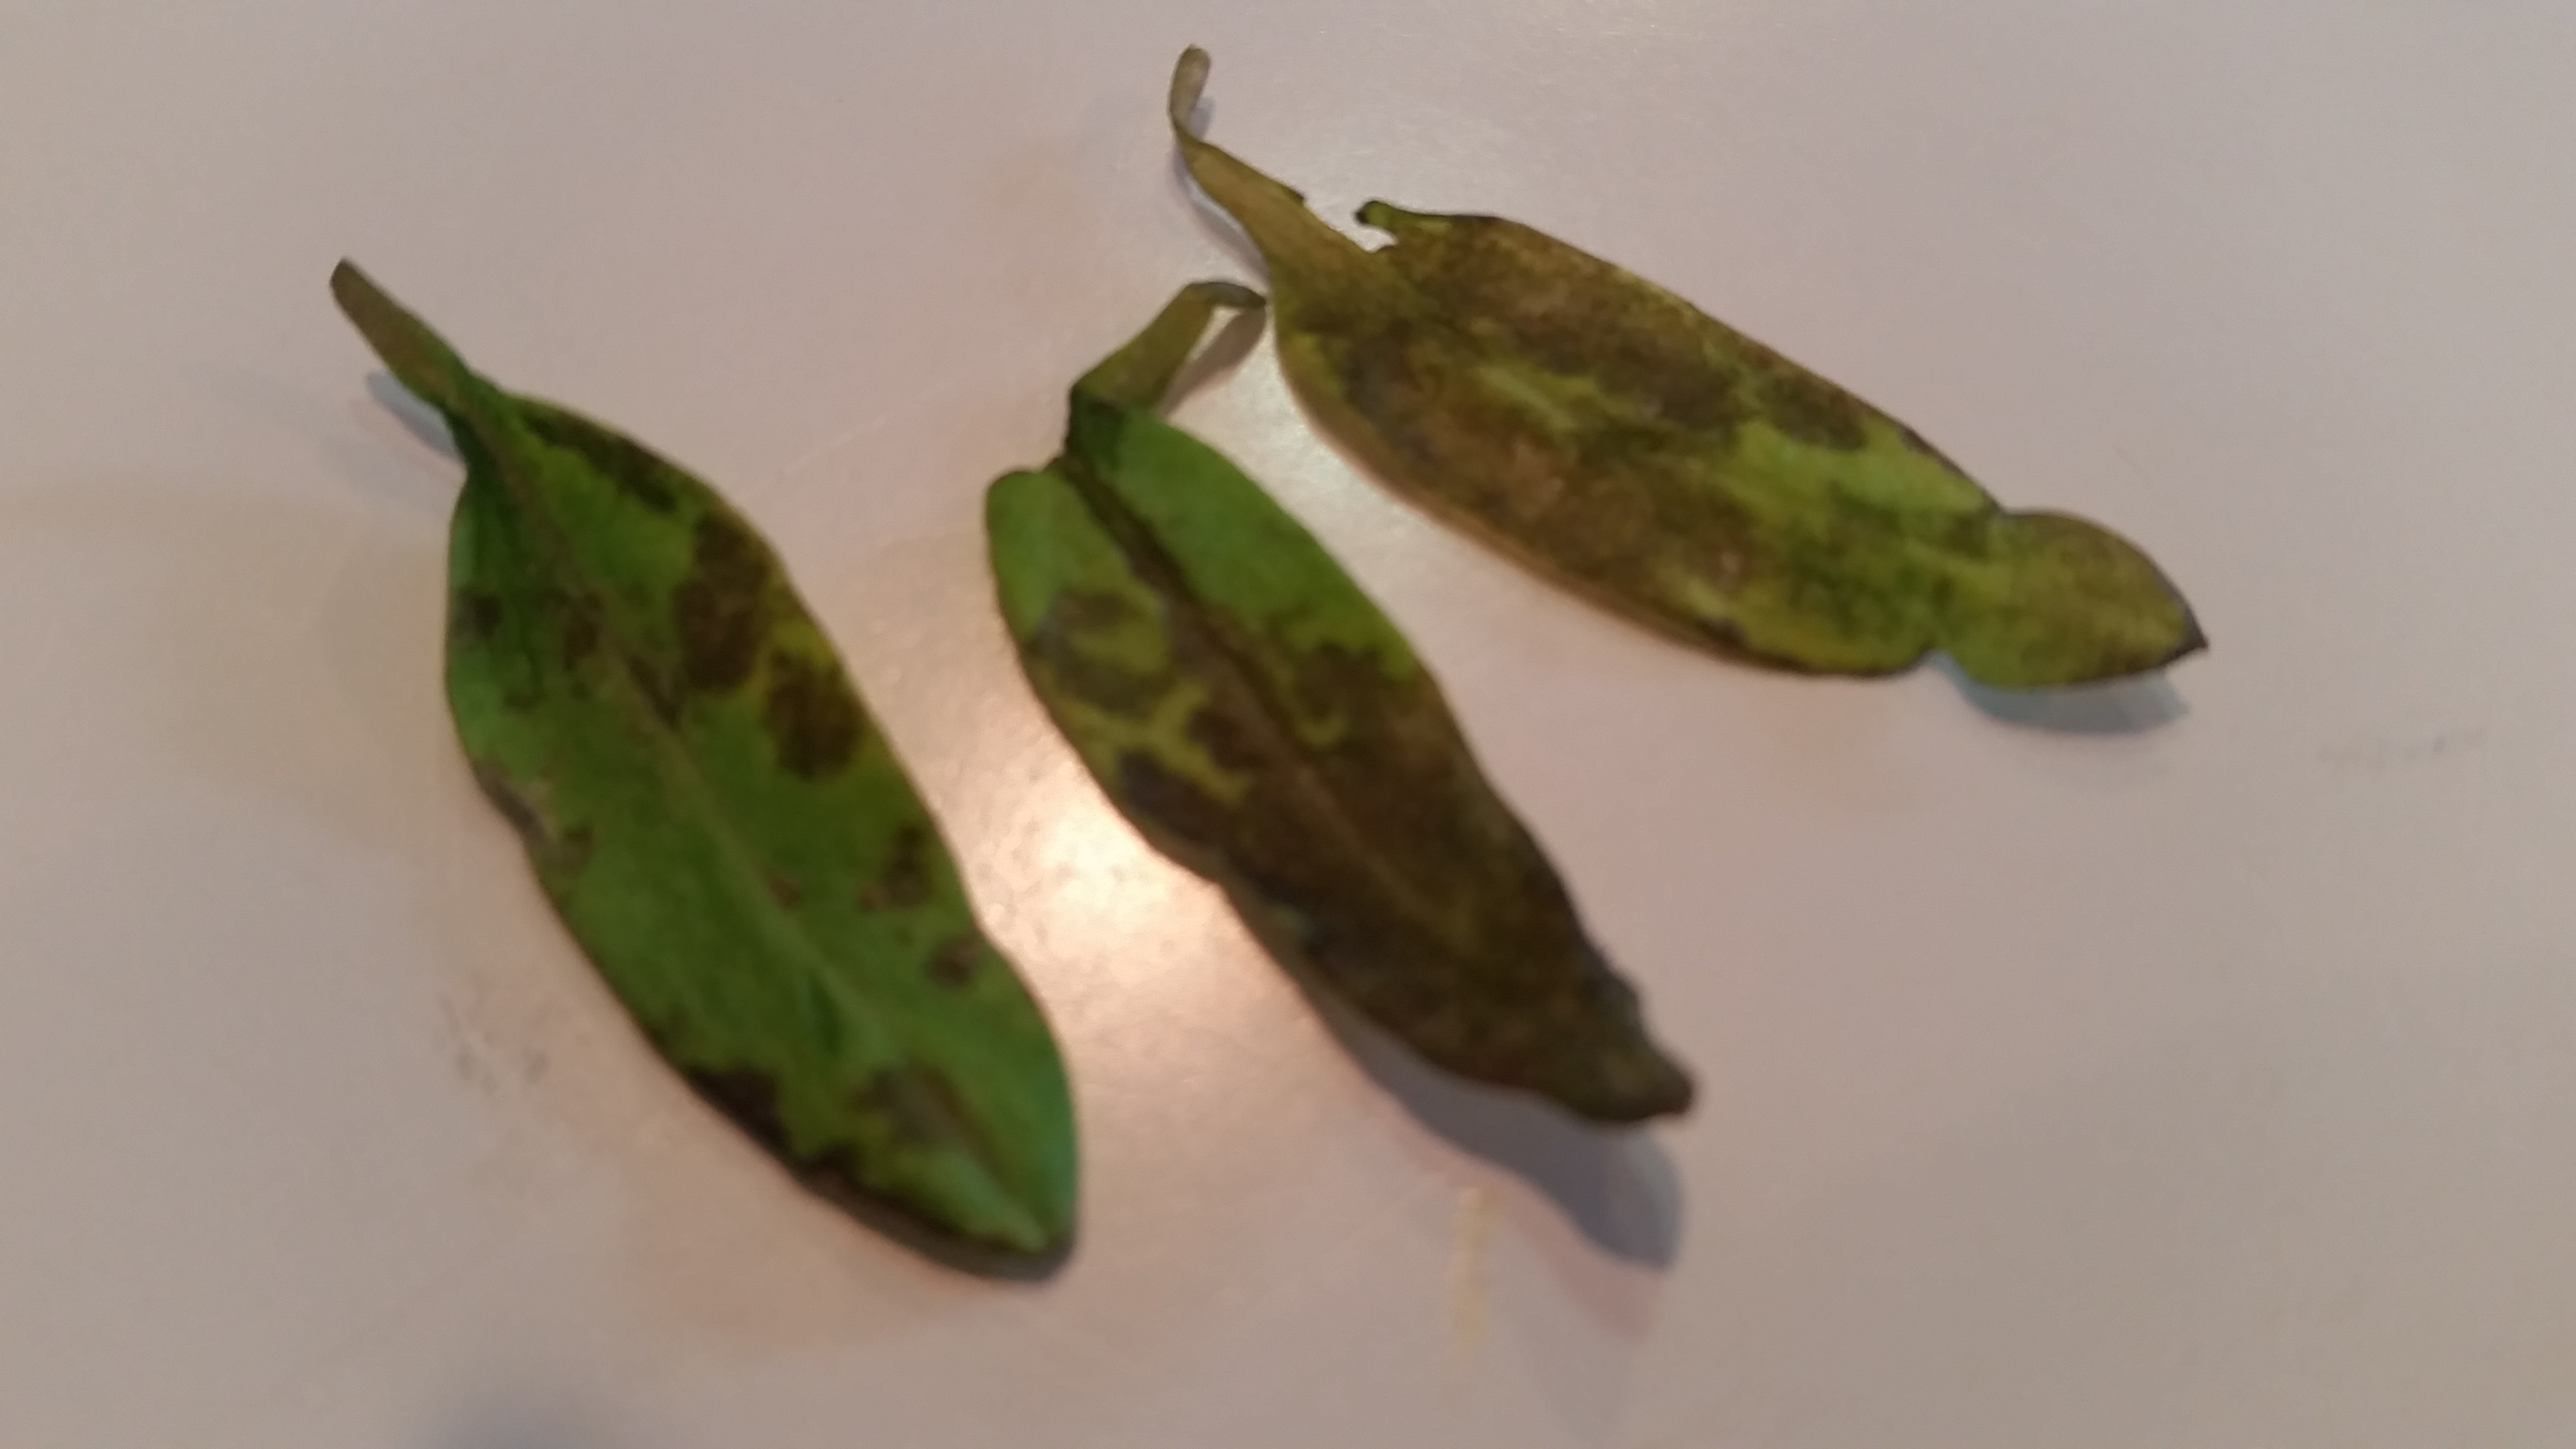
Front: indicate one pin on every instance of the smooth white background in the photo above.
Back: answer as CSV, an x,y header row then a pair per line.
x,y
2212,1083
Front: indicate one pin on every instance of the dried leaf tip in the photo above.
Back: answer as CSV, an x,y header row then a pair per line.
x,y
1137,375
1189,82
418,358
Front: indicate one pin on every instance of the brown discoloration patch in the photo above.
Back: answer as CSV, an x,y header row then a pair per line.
x,y
1084,611
512,802
1923,445
1524,294
812,719
635,469
904,881
1108,687
1174,806
1585,494
580,632
922,1107
748,1097
1375,860
722,609
952,963
784,889
1100,683
656,687
552,847
572,850
474,615
745,1095
1223,738
1812,410
1384,868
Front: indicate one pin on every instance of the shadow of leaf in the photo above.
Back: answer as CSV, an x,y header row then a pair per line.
x,y
1615,1185
2120,707
417,418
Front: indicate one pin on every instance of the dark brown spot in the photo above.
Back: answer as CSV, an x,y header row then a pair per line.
x,y
1175,804
1082,611
1812,410
1100,683
636,471
904,881
784,889
554,850
722,608
1523,294
921,1107
812,718
1923,445
512,802
580,632
657,689
1112,688
474,614
746,1095
953,964
834,1173
1223,737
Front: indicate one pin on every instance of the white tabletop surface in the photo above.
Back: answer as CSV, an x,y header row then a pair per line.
x,y
2188,1064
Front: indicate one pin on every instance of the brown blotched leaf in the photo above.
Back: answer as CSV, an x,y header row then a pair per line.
x,y
1264,724
726,833
1617,440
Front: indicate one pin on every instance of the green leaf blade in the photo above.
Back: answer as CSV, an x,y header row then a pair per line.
x,y
730,838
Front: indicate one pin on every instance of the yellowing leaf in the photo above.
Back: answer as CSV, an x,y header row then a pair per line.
x,y
1613,438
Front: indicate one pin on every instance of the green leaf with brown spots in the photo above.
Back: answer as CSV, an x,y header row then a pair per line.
x,y
1266,726
725,830
1612,437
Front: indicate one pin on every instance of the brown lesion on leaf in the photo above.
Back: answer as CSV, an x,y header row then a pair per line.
x,y
1187,815
812,718
580,631
1218,733
922,1107
1383,867
722,609
511,801
1923,445
1104,684
553,848
952,962
654,683
1566,312
784,889
474,615
748,1097
1586,497
904,880
1812,410
633,468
